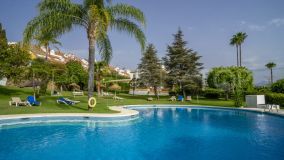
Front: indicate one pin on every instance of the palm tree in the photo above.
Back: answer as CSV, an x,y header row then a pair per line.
x,y
46,39
270,66
233,42
237,40
96,17
241,36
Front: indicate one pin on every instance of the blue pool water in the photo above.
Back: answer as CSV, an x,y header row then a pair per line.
x,y
167,133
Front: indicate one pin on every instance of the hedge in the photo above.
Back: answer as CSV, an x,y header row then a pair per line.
x,y
212,93
275,98
278,86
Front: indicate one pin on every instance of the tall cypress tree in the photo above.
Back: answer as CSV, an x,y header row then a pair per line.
x,y
13,59
3,38
3,49
182,64
150,69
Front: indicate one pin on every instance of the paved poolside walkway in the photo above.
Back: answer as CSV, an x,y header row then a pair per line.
x,y
280,112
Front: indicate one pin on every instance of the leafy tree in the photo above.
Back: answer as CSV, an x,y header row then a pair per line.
x,y
59,75
270,66
278,86
95,16
14,62
41,71
182,64
237,40
14,59
76,73
150,69
234,80
101,70
222,81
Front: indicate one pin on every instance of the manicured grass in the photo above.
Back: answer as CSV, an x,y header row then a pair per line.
x,y
49,104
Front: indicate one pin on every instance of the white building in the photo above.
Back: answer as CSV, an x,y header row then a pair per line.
x,y
3,82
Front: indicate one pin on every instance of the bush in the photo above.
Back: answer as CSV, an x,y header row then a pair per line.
x,y
212,93
278,86
172,93
275,98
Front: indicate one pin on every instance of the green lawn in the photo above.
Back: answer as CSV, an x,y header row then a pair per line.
x,y
49,104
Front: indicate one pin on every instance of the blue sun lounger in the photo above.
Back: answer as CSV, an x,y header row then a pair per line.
x,y
180,98
32,101
66,101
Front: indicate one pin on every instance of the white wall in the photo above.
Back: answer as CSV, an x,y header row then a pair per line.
x,y
3,82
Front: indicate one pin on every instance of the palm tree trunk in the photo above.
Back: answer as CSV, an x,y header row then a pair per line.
x,y
271,76
99,86
156,92
91,66
183,92
237,55
47,52
240,55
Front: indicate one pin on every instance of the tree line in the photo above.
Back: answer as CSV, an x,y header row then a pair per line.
x,y
181,72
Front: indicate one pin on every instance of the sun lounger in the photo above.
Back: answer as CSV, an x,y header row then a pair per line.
x,y
72,100
180,98
17,101
32,101
270,107
173,98
76,93
66,101
117,98
106,94
188,98
150,99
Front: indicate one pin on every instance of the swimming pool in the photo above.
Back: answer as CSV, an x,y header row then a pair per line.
x,y
159,133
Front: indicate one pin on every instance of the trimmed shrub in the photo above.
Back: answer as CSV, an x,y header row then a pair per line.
x,y
278,86
212,93
275,98
172,93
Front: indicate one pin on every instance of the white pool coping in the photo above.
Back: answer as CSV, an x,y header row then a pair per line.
x,y
273,112
124,111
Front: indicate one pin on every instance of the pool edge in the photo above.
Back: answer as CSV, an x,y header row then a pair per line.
x,y
127,112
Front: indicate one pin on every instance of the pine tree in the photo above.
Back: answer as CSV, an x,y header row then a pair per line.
x,y
182,64
150,69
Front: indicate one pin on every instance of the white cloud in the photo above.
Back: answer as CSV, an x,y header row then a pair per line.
x,y
243,22
277,22
189,28
254,27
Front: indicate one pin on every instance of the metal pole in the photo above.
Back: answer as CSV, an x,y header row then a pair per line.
x,y
34,83
52,90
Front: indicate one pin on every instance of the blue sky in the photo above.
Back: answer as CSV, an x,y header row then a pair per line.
x,y
207,25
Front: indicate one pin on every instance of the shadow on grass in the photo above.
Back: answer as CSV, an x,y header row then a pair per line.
x,y
5,91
